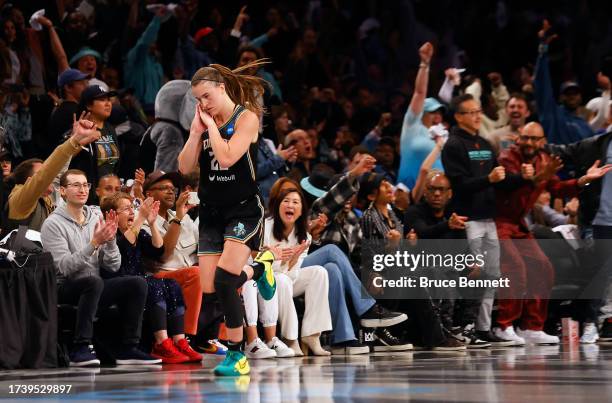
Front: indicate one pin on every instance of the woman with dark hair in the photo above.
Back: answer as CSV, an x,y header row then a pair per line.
x,y
286,228
102,157
342,282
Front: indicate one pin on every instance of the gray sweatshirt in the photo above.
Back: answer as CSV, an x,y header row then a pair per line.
x,y
70,245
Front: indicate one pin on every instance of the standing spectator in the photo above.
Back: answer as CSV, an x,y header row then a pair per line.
x,y
473,171
560,122
523,262
82,243
86,61
142,70
517,110
415,142
102,157
71,84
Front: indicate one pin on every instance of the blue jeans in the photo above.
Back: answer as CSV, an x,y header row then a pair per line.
x,y
342,279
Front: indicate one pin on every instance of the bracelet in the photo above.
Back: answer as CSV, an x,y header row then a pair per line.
x,y
176,221
423,64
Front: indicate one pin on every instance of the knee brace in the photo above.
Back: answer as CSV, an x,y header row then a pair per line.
x,y
225,286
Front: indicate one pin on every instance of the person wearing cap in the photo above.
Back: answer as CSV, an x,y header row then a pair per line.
x,y
561,123
6,163
101,157
415,141
71,84
86,61
180,234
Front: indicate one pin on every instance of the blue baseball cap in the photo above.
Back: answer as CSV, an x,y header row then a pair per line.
x,y
70,76
86,51
432,105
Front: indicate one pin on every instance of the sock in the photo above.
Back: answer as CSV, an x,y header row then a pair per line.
x,y
234,346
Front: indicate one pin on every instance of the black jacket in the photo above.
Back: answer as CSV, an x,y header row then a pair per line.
x,y
467,161
582,155
421,218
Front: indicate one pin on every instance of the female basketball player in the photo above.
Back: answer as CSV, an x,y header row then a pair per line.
x,y
223,139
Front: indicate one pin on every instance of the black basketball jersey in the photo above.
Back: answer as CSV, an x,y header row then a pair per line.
x,y
231,185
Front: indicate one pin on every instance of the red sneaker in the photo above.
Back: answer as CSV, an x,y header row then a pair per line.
x,y
167,352
184,348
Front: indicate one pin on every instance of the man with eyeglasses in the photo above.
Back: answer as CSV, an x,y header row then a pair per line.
x,y
82,244
470,164
180,233
523,262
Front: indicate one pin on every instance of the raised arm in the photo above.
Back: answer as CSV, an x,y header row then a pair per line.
x,y
56,45
422,79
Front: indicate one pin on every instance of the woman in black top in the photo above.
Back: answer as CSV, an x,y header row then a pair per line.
x,y
223,139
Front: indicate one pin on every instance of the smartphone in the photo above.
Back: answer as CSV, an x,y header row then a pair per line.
x,y
193,198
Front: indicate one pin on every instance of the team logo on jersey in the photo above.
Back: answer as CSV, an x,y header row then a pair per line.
x,y
239,229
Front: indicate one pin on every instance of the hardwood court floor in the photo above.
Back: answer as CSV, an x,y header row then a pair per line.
x,y
529,374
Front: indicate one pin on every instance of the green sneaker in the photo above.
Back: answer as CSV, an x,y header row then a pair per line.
x,y
234,364
266,283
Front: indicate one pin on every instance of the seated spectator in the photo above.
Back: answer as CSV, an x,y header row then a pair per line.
x,y
164,307
103,156
179,259
305,154
82,243
430,219
342,277
30,202
385,155
108,185
272,164
378,221
287,230
257,308
6,164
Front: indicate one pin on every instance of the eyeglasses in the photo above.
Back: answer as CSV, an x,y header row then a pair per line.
x,y
471,113
125,209
434,189
79,186
530,138
168,188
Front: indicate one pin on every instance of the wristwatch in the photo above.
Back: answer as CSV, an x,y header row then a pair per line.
x,y
175,220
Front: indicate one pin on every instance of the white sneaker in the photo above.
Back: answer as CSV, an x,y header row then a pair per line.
x,y
589,334
537,337
282,351
509,334
257,349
